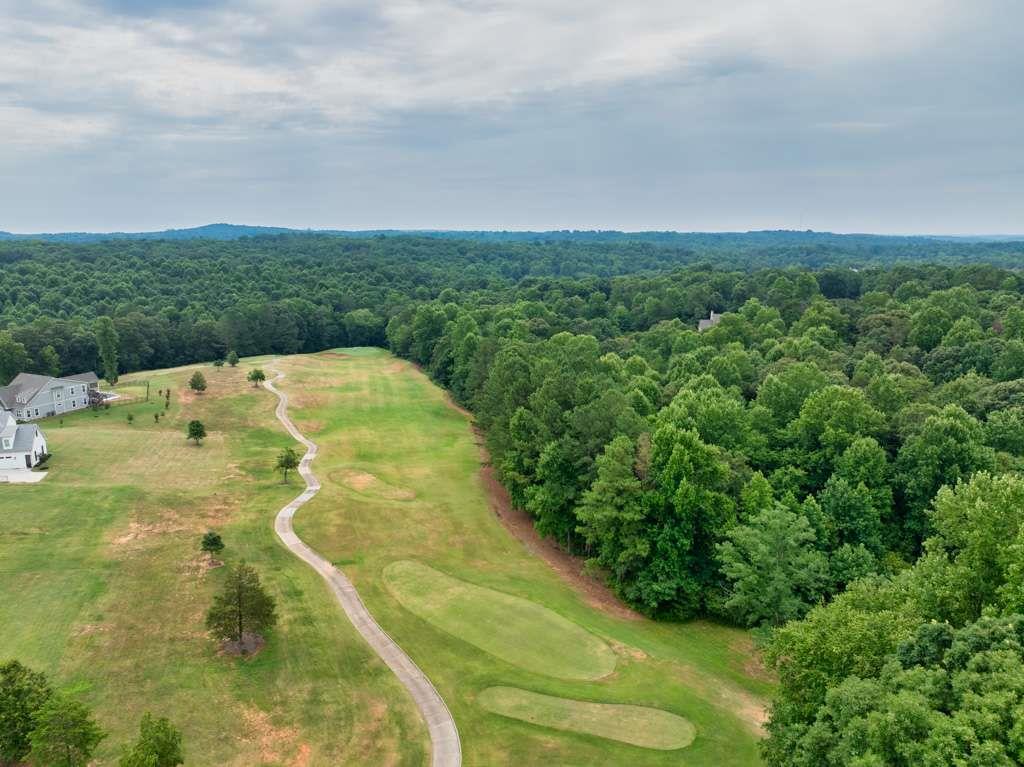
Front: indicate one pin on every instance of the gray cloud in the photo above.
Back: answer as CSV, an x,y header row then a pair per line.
x,y
845,114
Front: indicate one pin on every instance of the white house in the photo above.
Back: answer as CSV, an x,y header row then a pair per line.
x,y
30,396
710,322
21,446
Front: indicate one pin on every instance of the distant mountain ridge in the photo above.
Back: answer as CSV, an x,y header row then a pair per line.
x,y
764,238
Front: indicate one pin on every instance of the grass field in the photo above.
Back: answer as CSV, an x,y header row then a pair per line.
x,y
405,514
103,587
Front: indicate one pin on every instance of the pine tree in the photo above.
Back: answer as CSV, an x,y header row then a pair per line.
x,y
243,608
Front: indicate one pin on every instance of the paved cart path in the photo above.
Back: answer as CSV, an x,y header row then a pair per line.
x,y
444,736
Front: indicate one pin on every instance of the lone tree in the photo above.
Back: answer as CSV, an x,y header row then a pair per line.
x,y
232,358
65,734
159,745
257,376
107,340
212,542
243,609
287,461
130,418
218,363
197,382
196,431
22,693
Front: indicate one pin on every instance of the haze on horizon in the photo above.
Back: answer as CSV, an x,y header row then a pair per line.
x,y
845,115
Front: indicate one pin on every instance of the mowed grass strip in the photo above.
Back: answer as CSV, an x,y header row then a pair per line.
x,y
636,725
516,630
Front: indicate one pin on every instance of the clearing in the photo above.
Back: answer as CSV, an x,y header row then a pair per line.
x,y
102,586
470,604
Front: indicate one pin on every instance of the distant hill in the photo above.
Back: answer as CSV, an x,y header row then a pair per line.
x,y
756,239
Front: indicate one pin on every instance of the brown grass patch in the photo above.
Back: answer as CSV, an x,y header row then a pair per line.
x,y
273,743
364,482
138,531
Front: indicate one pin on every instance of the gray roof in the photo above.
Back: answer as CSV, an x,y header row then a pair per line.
x,y
23,388
26,385
23,439
5,417
710,322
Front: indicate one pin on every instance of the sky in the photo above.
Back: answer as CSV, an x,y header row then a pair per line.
x,y
888,116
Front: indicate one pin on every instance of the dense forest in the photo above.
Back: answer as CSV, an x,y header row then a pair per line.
x,y
836,462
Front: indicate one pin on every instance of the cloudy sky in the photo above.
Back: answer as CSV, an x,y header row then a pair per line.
x,y
848,115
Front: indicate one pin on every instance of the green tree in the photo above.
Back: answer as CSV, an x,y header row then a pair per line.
x,y
242,608
14,358
196,431
949,446
774,572
197,382
256,376
233,358
49,361
287,461
945,697
212,543
830,421
108,342
611,512
218,363
22,693
64,734
159,745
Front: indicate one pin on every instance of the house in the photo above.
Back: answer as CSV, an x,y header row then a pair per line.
x,y
22,446
30,396
709,323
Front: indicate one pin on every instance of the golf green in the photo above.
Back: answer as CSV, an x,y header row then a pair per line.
x,y
516,630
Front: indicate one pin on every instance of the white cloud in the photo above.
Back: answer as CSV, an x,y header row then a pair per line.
x,y
269,62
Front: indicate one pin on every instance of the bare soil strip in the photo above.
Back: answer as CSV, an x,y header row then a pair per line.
x,y
444,735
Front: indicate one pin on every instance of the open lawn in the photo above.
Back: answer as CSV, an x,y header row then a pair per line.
x,y
404,512
637,725
102,585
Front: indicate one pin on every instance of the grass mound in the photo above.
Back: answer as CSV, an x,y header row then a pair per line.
x,y
636,725
516,630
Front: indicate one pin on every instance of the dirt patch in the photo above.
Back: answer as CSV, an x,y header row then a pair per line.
x,y
753,661
568,567
364,482
249,645
89,629
200,565
360,480
138,531
628,652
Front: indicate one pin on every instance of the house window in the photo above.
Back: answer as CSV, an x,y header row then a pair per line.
x,y
21,414
37,412
74,403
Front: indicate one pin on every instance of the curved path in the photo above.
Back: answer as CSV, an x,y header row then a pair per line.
x,y
444,736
